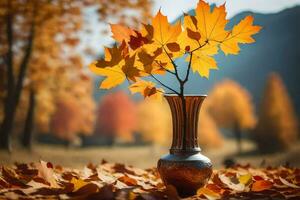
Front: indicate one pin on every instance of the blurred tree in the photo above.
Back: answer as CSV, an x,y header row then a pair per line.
x,y
116,117
209,135
64,123
230,106
154,122
38,39
277,126
74,114
159,131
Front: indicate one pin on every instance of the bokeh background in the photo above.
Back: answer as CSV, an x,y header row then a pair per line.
x,y
251,114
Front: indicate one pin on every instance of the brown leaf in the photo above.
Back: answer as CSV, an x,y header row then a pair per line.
x,y
173,46
193,35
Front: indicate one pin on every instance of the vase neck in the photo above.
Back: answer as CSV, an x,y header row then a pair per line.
x,y
185,114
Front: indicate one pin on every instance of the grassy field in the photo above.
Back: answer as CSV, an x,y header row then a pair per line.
x,y
142,156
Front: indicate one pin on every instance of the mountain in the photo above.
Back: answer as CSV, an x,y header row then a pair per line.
x,y
277,49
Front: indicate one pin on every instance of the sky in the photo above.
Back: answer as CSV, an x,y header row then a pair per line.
x,y
173,9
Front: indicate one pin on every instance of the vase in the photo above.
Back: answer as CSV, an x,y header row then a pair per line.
x,y
185,167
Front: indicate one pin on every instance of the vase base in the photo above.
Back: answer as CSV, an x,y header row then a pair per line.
x,y
186,172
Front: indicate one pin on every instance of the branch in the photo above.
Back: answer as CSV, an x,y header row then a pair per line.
x,y
173,63
164,85
165,68
206,42
188,69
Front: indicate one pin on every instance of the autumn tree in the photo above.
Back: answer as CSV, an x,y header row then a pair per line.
x,y
277,126
116,117
231,106
153,49
154,122
38,40
74,115
209,135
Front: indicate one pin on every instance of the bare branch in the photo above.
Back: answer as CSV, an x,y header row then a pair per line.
x,y
188,69
164,85
169,71
175,66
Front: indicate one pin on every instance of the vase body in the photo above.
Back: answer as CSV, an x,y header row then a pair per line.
x,y
185,167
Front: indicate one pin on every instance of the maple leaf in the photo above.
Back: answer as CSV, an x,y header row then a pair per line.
x,y
113,56
114,75
78,183
121,33
137,40
150,64
147,89
47,173
261,185
117,74
129,69
164,36
209,194
241,33
211,25
164,32
202,60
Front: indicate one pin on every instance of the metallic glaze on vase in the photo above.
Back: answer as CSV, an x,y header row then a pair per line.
x,y
185,167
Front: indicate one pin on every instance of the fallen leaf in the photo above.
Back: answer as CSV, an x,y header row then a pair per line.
x,y
258,186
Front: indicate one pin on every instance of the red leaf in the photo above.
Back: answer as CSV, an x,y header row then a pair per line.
x,y
261,185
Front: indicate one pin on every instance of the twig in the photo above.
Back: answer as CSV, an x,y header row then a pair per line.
x,y
164,85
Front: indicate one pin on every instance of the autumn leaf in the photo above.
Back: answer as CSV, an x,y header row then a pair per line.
x,y
129,69
261,185
78,183
202,60
117,74
164,32
47,173
121,33
173,47
211,25
245,179
241,33
114,75
137,40
146,89
209,194
113,56
150,64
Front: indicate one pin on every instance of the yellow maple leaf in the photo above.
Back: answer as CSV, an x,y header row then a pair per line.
x,y
118,73
146,89
241,33
211,25
114,75
164,32
202,60
164,36
121,33
78,183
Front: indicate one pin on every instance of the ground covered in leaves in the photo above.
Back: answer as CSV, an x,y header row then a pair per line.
x,y
43,180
